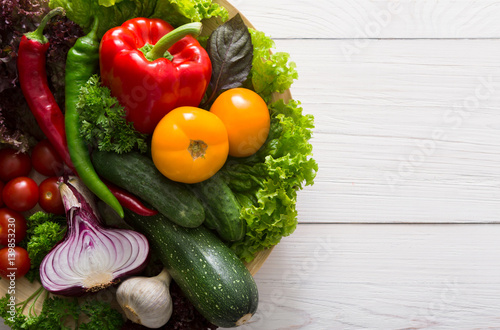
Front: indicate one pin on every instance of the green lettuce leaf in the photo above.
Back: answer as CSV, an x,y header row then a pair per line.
x,y
271,72
113,13
267,182
178,12
109,13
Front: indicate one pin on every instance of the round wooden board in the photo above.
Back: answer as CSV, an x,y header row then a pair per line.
x,y
23,288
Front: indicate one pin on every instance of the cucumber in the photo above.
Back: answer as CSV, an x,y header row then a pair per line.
x,y
222,210
209,273
137,173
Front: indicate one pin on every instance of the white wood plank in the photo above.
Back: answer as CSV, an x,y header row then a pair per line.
x,y
406,130
382,277
374,19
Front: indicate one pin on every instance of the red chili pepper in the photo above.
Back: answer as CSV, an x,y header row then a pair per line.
x,y
152,68
129,201
33,80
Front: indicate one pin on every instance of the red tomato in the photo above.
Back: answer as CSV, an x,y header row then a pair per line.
x,y
20,194
46,160
49,196
13,164
14,262
12,226
1,189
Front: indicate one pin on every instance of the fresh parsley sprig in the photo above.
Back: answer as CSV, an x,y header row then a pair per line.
x,y
43,232
103,124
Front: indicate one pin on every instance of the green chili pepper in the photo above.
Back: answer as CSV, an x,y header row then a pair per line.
x,y
82,62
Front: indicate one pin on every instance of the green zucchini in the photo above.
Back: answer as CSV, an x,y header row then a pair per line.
x,y
209,273
222,210
137,173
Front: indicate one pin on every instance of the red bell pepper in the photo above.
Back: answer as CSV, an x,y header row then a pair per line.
x,y
152,68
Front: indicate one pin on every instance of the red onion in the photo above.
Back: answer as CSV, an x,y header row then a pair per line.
x,y
91,257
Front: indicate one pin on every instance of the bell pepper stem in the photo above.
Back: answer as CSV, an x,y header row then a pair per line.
x,y
37,35
168,40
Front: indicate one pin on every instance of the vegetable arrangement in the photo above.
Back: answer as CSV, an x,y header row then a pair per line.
x,y
177,134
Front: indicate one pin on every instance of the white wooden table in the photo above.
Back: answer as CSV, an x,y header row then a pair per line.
x,y
401,229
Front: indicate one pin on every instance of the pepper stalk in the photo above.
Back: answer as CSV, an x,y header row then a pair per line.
x,y
37,35
160,49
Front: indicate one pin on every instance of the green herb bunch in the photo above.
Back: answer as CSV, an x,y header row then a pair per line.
x,y
103,123
59,314
44,230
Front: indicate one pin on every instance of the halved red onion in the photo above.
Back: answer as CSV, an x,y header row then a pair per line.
x,y
91,257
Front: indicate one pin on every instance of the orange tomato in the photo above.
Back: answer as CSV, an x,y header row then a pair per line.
x,y
189,145
247,120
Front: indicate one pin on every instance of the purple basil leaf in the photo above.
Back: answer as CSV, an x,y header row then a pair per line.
x,y
231,52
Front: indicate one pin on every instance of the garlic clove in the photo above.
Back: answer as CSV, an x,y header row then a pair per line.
x,y
146,300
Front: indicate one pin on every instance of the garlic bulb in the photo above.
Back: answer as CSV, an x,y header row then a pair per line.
x,y
146,300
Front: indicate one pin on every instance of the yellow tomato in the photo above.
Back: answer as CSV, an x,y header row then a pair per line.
x,y
247,120
189,145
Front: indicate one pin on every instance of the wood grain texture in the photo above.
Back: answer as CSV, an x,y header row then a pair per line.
x,y
354,19
406,130
362,276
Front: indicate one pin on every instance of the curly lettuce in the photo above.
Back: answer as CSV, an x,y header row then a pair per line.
x,y
113,13
178,12
271,72
267,182
110,14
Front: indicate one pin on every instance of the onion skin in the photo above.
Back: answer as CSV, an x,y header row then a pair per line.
x,y
90,257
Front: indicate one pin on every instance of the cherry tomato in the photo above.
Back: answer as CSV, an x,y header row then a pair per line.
x,y
13,164
49,197
14,261
189,145
1,189
12,226
20,194
46,160
247,120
